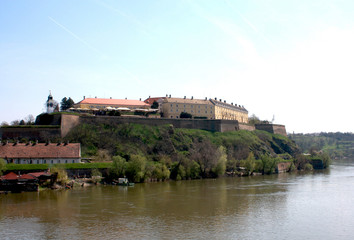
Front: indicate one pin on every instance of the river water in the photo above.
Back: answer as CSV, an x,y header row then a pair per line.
x,y
316,205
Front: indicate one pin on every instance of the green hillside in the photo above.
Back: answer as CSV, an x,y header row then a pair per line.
x,y
145,152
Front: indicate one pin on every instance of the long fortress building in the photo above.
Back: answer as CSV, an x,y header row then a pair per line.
x,y
203,109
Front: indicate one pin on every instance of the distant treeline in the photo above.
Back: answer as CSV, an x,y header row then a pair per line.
x,y
338,145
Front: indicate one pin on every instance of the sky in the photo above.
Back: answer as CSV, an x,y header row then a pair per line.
x,y
291,61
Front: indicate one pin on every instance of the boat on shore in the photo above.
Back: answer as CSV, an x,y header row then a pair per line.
x,y
124,182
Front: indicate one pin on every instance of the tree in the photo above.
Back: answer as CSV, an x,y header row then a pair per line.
x,y
220,167
155,105
185,115
29,119
2,166
66,103
136,168
119,166
254,120
205,154
4,124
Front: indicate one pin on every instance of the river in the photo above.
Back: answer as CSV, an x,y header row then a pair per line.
x,y
317,205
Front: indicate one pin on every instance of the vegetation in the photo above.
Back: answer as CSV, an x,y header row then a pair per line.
x,y
3,166
40,167
66,103
185,115
144,153
336,145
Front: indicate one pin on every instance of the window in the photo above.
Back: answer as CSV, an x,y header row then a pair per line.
x,y
73,161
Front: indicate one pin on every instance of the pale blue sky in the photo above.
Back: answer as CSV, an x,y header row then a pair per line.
x,y
291,59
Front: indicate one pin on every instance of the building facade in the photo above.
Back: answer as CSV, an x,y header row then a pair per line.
x,y
40,153
203,109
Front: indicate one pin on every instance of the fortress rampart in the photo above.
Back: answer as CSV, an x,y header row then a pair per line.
x,y
61,124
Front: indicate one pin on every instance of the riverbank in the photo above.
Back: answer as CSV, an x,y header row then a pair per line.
x,y
145,153
278,206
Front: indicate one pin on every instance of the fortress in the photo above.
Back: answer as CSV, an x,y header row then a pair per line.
x,y
206,114
59,125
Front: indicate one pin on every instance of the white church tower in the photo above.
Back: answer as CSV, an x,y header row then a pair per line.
x,y
51,104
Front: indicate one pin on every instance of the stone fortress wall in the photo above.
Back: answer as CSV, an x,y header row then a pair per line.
x,y
61,124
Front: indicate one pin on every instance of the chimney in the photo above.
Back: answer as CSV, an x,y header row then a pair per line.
x,y
84,97
166,95
192,98
125,98
169,96
224,101
95,96
184,97
220,100
110,97
206,98
140,99
216,99
232,103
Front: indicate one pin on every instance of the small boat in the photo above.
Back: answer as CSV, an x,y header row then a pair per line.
x,y
124,182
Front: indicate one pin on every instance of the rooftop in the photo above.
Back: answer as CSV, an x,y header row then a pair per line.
x,y
40,150
110,101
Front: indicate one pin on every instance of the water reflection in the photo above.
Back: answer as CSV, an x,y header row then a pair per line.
x,y
267,207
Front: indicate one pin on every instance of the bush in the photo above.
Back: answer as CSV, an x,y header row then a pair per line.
x,y
118,168
62,177
2,166
136,168
308,167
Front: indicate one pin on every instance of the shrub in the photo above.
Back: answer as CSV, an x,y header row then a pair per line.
x,y
136,168
62,177
118,168
308,167
2,166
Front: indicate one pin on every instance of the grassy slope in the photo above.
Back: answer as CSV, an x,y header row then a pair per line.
x,y
128,139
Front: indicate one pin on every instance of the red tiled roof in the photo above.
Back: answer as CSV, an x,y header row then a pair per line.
x,y
26,177
120,102
40,150
10,176
38,174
